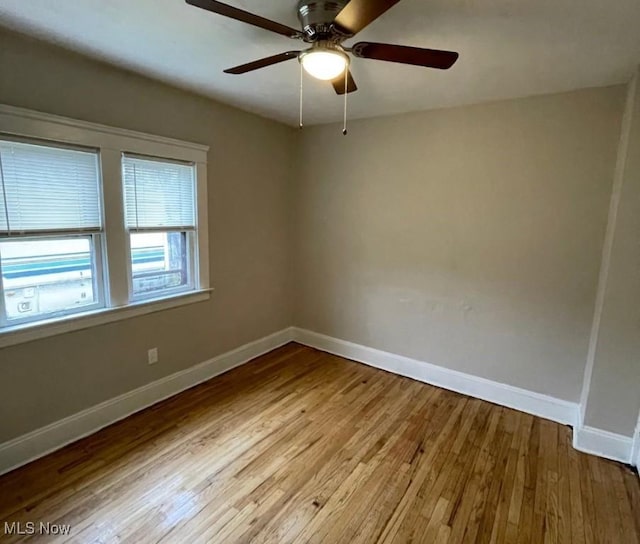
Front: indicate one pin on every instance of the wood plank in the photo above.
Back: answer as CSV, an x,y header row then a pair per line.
x,y
300,446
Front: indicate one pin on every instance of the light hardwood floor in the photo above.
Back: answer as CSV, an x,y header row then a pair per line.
x,y
301,446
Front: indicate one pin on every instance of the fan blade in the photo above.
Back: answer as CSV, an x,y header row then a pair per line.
x,y
359,13
338,84
268,61
245,17
430,58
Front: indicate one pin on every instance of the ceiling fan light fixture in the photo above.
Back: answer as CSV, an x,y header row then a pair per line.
x,y
324,64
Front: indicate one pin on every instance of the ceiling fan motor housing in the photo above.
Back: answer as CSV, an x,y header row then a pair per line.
x,y
317,18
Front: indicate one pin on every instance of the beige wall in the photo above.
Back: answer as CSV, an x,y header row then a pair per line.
x,y
613,388
469,237
249,172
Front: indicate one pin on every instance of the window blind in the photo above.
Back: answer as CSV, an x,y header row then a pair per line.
x,y
158,194
45,189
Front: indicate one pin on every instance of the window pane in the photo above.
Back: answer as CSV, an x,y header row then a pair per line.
x,y
48,188
159,262
158,193
47,276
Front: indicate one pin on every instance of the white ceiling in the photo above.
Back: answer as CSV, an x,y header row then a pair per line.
x,y
508,48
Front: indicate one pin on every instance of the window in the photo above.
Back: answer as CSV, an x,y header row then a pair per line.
x,y
160,218
96,224
50,231
159,263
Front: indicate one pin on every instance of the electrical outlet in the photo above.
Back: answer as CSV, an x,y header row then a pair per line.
x,y
152,356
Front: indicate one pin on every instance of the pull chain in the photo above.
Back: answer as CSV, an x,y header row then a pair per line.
x,y
346,88
4,198
301,79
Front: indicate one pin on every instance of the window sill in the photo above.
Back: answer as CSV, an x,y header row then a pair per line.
x,y
20,334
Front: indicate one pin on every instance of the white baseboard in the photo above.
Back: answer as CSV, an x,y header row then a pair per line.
x,y
35,444
603,443
635,450
40,442
544,406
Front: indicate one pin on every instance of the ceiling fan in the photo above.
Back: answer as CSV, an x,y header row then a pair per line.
x,y
325,25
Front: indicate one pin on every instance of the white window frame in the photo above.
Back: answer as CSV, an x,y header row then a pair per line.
x,y
191,240
111,143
